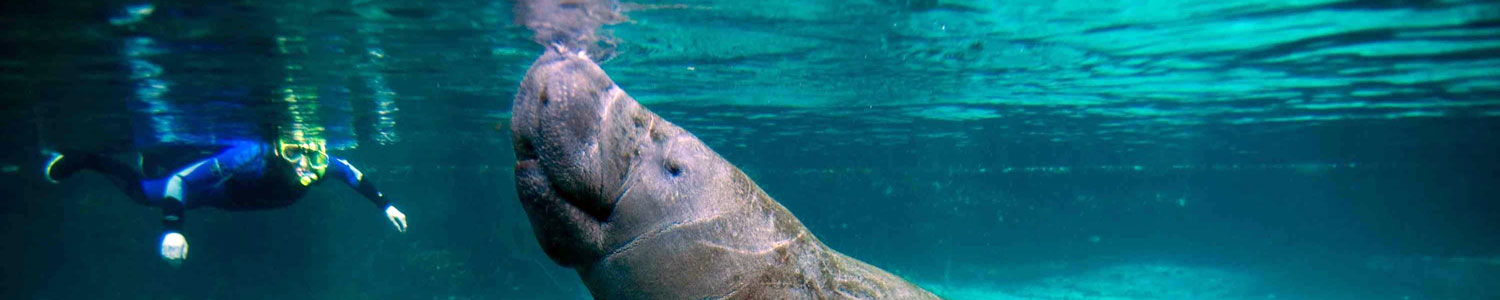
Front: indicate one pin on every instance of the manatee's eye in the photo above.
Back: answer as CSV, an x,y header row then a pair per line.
x,y
673,168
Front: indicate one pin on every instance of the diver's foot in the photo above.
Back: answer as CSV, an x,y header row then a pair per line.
x,y
57,168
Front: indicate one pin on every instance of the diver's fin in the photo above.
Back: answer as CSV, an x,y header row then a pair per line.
x,y
56,168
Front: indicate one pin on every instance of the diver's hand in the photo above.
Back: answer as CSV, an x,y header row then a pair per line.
x,y
174,248
397,218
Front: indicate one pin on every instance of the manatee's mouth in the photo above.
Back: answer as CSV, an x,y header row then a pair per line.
x,y
600,213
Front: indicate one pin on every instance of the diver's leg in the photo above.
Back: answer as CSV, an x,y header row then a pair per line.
x,y
63,165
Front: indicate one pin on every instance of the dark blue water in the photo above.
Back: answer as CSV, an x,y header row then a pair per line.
x,y
981,149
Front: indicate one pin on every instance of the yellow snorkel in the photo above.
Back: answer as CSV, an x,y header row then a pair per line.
x,y
308,158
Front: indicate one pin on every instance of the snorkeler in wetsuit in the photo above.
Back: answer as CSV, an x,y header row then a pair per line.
x,y
241,176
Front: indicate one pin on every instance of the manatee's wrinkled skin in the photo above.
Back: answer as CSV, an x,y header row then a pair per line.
x,y
643,210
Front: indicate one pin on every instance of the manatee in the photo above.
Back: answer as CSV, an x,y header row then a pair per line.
x,y
642,209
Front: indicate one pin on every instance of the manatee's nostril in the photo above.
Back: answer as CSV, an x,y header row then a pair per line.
x,y
524,149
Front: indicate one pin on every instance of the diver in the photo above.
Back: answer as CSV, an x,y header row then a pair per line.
x,y
239,176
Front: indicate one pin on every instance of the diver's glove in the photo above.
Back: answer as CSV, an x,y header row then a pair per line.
x,y
174,248
397,218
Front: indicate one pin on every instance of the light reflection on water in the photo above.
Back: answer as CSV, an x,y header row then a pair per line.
x,y
1131,73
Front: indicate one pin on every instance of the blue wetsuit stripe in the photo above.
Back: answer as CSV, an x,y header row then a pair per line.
x,y
356,179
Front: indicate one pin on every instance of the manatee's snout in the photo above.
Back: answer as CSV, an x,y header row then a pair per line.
x,y
568,173
557,119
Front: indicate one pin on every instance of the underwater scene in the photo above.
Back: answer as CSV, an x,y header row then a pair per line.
x,y
732,149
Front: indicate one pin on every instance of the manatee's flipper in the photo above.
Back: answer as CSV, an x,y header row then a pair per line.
x,y
644,210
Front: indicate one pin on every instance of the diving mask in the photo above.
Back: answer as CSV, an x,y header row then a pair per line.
x,y
309,160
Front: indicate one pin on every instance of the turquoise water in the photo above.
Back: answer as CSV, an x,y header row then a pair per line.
x,y
981,149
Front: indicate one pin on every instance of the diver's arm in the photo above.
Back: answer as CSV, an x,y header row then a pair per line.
x,y
172,194
174,191
341,169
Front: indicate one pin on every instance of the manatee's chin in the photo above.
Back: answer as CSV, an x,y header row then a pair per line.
x,y
565,232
